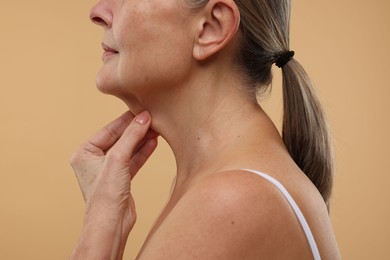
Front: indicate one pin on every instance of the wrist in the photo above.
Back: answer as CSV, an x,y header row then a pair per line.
x,y
109,217
101,239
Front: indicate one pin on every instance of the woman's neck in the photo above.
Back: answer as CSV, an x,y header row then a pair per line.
x,y
207,123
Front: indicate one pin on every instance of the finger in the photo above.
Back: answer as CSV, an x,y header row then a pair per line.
x,y
151,134
108,135
139,159
124,148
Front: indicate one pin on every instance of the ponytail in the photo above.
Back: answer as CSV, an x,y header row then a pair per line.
x,y
305,131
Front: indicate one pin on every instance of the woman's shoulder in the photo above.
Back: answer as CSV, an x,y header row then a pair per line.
x,y
253,198
235,189
233,215
256,203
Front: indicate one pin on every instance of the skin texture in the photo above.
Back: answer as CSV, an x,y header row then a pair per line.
x,y
178,64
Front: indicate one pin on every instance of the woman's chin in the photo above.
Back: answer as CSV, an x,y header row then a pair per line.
x,y
114,89
104,88
106,85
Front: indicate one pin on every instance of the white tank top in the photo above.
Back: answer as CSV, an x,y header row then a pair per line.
x,y
298,212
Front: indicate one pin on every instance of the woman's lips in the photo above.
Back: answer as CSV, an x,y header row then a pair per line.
x,y
108,51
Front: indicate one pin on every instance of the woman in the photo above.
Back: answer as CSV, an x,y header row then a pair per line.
x,y
189,70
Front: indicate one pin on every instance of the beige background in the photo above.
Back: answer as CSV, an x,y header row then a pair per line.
x,y
48,105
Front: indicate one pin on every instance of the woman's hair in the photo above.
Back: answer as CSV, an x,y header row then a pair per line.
x,y
265,28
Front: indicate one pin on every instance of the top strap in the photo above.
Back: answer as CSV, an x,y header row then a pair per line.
x,y
296,209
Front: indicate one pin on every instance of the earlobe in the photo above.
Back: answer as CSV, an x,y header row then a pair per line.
x,y
217,29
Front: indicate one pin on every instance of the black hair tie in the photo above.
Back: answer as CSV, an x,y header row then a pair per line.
x,y
284,58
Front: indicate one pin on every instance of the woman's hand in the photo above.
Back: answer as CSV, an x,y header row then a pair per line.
x,y
105,166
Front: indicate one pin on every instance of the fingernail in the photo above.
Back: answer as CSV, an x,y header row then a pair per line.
x,y
142,117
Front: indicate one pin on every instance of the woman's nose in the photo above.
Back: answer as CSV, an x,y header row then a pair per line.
x,y
101,14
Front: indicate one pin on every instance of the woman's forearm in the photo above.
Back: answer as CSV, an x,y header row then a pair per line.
x,y
100,240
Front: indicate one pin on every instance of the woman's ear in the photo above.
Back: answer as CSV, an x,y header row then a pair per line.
x,y
217,28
